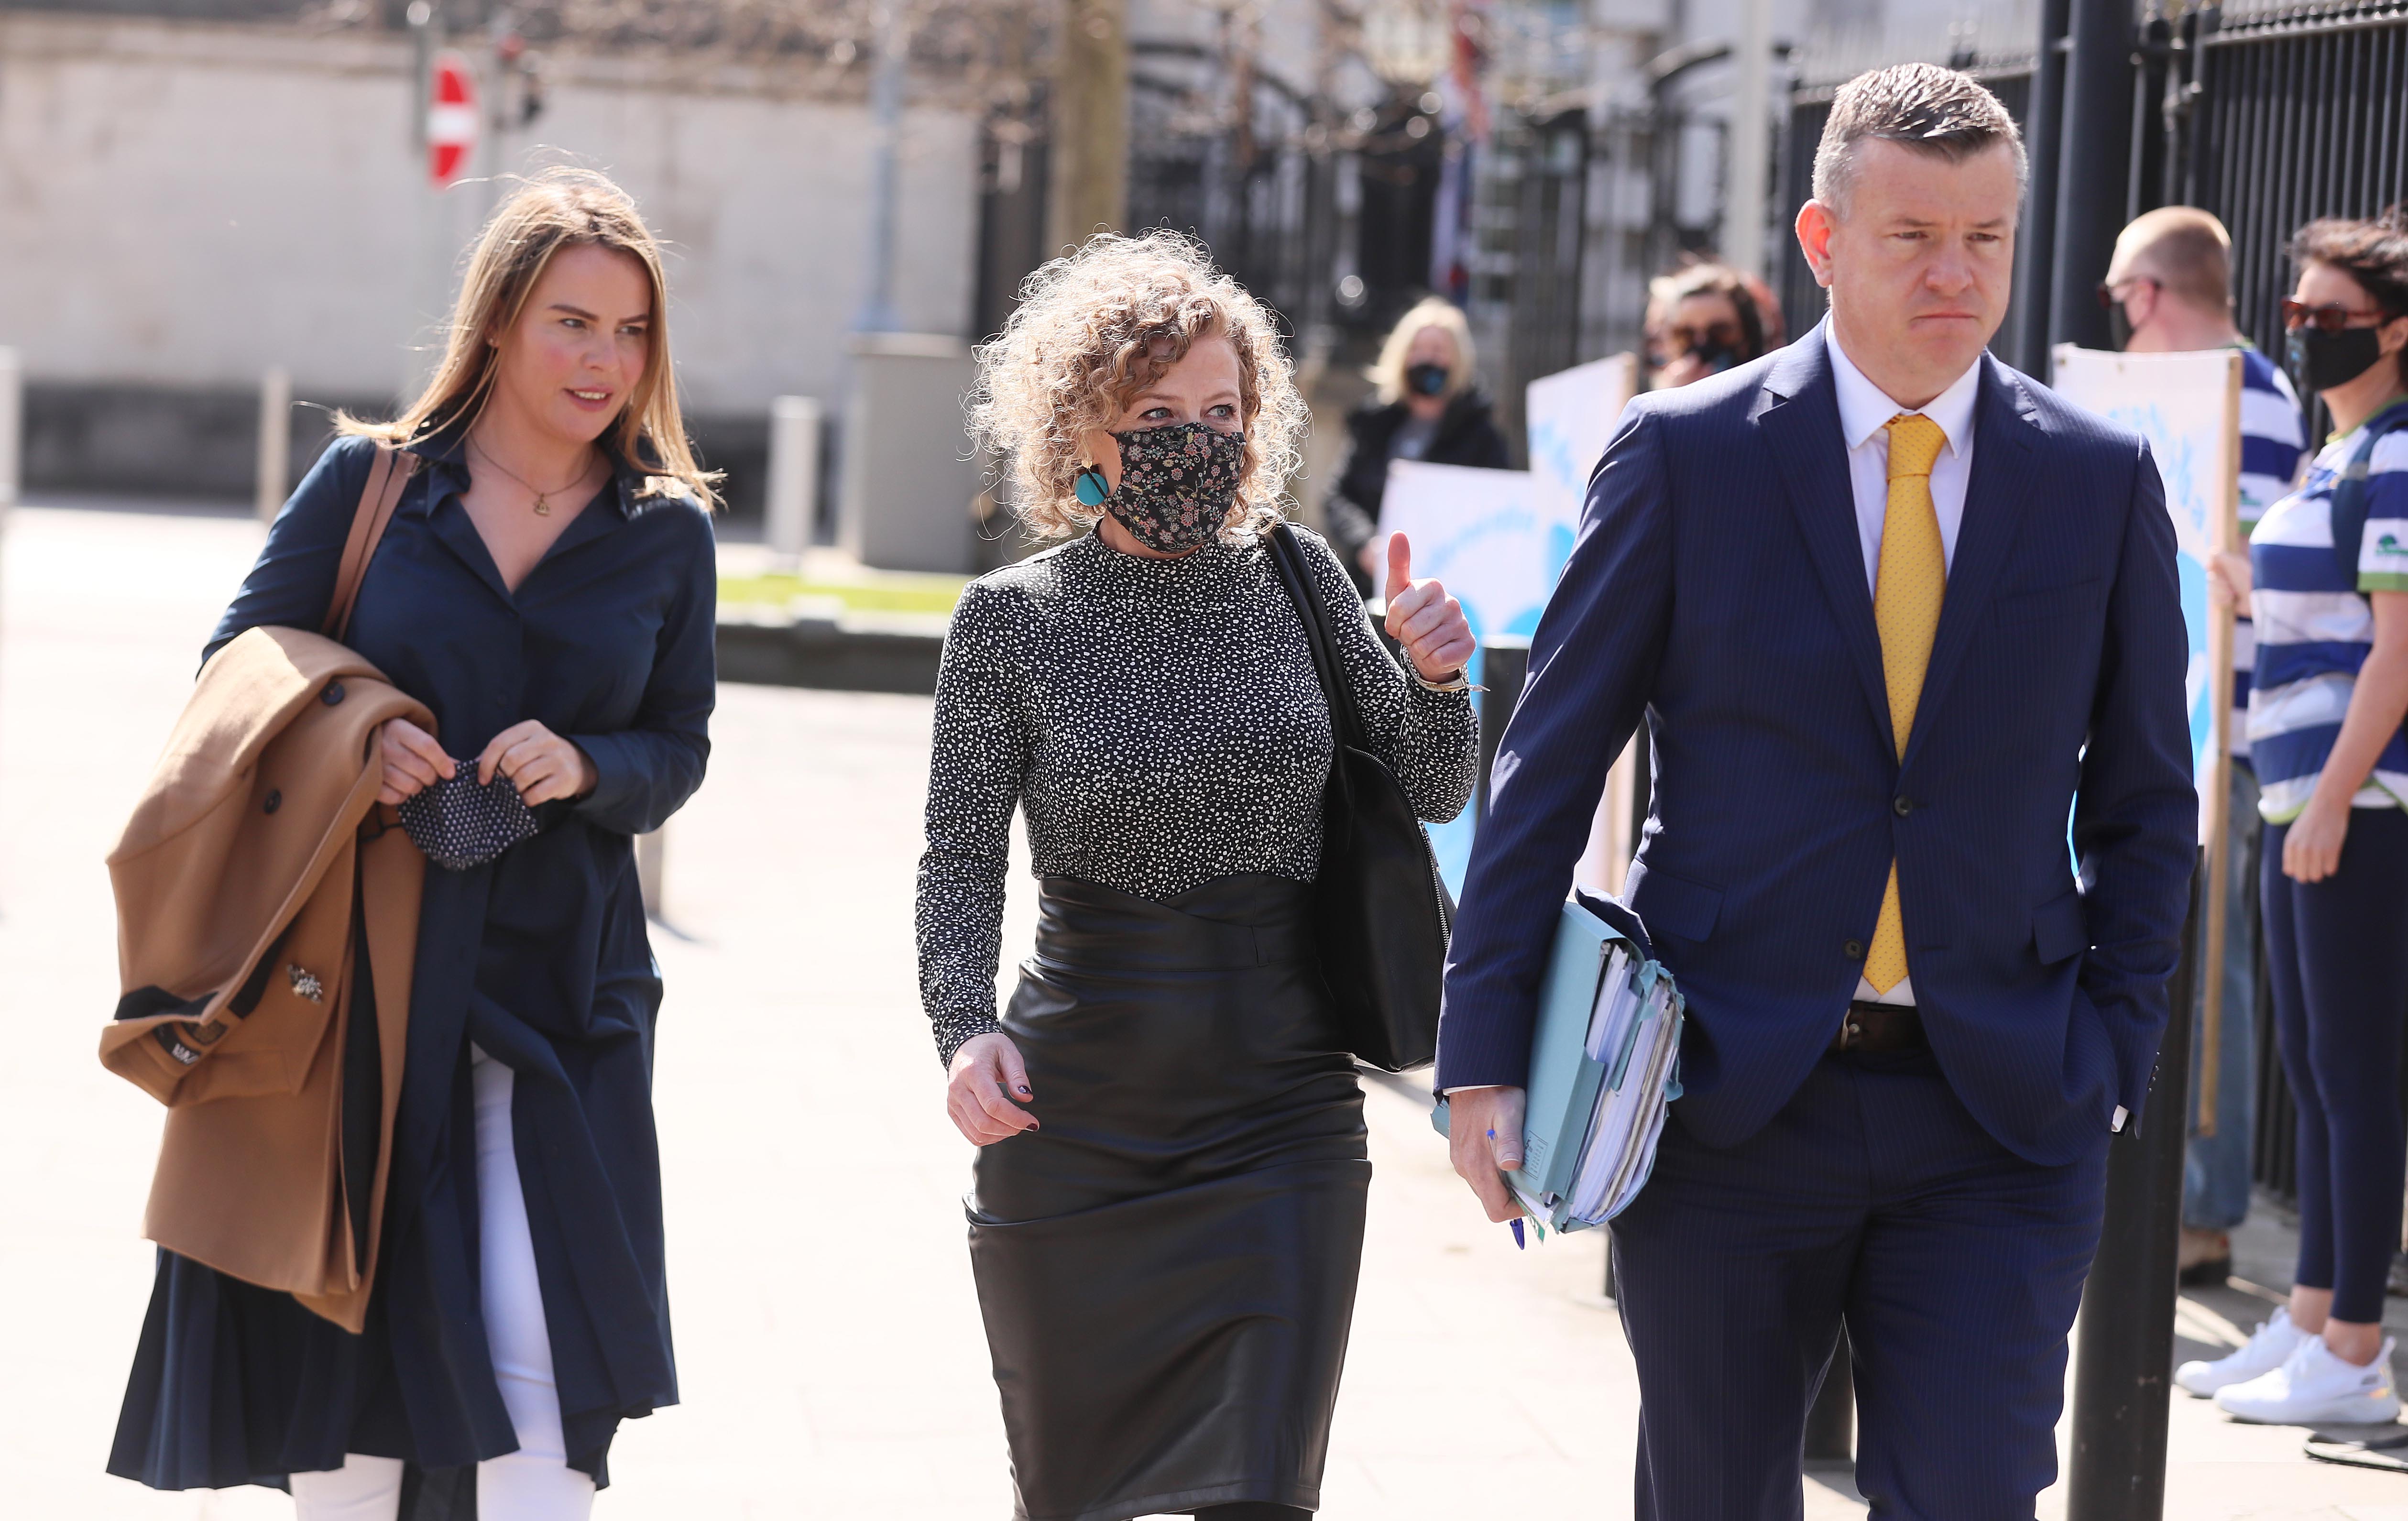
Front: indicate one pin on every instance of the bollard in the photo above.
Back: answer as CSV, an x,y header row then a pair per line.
x,y
2124,1335
1504,665
275,442
794,473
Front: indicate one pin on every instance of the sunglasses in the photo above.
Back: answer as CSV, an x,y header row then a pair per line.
x,y
2106,289
2332,317
1680,340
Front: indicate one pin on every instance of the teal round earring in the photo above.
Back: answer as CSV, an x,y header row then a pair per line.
x,y
1091,487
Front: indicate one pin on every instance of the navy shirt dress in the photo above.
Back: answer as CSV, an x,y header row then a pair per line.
x,y
539,957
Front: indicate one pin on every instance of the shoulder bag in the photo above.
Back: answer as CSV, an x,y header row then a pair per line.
x,y
1381,914
387,473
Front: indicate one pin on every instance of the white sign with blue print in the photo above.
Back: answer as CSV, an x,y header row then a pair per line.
x,y
1498,539
2187,406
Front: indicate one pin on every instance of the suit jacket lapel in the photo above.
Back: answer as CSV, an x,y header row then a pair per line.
x,y
1798,412
2004,470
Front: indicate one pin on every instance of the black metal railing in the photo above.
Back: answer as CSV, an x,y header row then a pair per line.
x,y
2292,115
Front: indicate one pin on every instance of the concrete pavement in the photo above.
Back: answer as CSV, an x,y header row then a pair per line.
x,y
829,1343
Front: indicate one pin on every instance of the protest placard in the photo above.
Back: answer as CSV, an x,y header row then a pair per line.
x,y
1498,538
2187,406
1571,416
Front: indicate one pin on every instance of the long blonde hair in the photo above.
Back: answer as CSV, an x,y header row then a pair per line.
x,y
1095,328
1388,371
561,208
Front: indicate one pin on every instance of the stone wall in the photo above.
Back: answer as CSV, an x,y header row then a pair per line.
x,y
184,204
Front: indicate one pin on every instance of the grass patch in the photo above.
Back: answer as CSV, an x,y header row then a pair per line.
x,y
900,593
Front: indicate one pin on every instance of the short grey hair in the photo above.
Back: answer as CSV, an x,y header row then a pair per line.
x,y
1922,107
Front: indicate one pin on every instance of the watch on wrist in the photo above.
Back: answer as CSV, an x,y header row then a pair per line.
x,y
1459,682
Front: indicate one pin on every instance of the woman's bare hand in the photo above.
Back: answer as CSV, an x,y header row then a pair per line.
x,y
2228,580
1423,619
540,764
2311,846
413,761
988,1086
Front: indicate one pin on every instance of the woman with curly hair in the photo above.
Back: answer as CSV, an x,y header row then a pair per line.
x,y
1166,1217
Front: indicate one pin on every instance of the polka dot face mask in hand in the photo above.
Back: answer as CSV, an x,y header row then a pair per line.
x,y
462,822
1177,485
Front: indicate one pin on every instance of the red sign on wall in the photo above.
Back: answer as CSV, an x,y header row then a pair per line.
x,y
450,119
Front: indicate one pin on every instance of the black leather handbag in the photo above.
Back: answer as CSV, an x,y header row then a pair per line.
x,y
1381,914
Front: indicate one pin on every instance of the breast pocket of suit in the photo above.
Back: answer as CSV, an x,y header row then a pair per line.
x,y
2063,606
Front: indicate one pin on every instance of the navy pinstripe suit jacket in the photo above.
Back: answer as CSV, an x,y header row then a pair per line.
x,y
1718,586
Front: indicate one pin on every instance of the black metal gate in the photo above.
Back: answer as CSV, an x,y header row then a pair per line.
x,y
1255,181
2290,115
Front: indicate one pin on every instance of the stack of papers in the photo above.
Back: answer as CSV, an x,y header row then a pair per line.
x,y
1604,1065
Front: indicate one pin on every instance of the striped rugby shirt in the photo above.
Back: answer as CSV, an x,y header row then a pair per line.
x,y
2315,628
2272,438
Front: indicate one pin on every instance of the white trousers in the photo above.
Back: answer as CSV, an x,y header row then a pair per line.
x,y
535,1483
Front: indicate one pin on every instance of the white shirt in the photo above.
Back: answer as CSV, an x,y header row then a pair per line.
x,y
1864,412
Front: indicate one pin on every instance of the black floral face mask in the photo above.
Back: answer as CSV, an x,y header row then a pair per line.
x,y
1177,485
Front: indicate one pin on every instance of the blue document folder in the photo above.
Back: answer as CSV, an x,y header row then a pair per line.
x,y
1604,1066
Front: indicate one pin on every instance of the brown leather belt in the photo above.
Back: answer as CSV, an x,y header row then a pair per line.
x,y
1879,1027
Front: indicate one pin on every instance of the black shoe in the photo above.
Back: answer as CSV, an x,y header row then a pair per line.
x,y
2209,1274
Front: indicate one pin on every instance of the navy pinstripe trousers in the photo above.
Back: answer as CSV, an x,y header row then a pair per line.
x,y
1872,1196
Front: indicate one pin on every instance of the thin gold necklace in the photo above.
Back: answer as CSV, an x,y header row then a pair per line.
x,y
542,498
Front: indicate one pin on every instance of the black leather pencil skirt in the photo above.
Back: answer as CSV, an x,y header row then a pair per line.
x,y
1166,1265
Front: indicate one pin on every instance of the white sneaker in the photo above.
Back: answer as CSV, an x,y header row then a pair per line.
x,y
2314,1387
2268,1348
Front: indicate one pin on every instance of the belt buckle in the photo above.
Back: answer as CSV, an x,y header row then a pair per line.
x,y
1852,1031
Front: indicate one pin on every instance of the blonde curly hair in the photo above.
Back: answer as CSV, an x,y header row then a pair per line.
x,y
1098,327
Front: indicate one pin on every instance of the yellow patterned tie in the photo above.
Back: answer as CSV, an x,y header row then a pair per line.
x,y
1912,578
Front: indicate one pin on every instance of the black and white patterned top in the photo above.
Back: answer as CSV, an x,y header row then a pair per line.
x,y
1160,725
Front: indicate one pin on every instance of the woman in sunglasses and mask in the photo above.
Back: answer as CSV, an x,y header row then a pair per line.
x,y
1706,319
1167,1215
1426,404
2327,583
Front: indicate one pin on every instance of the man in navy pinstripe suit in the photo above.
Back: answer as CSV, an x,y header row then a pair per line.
x,y
1891,611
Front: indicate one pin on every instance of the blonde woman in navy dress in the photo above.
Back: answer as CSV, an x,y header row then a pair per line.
x,y
1168,1212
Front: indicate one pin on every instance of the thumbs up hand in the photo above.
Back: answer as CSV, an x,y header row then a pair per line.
x,y
1423,619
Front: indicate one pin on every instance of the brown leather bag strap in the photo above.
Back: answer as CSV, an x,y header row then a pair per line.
x,y
387,476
